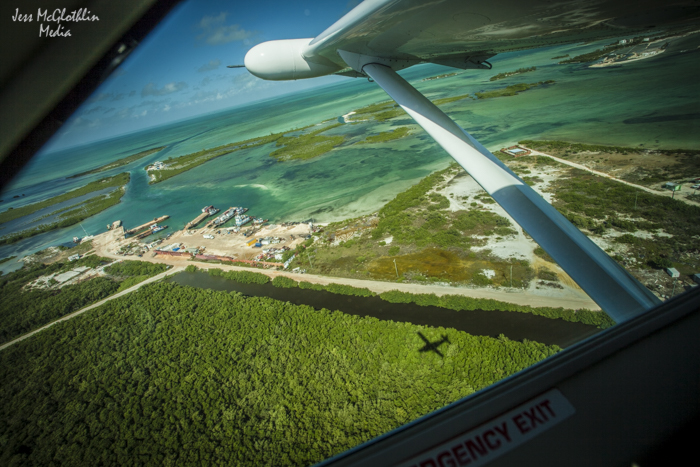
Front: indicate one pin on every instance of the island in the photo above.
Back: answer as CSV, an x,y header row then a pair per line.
x,y
71,214
444,75
512,90
121,162
512,73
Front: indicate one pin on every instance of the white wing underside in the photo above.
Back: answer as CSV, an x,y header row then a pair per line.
x,y
457,31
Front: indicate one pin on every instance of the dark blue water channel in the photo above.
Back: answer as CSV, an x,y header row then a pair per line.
x,y
515,326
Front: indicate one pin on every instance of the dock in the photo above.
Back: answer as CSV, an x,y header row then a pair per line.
x,y
197,220
146,225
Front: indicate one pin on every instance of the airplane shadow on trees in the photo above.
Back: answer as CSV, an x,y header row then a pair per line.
x,y
433,346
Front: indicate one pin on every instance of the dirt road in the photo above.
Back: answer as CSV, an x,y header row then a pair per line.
x,y
94,305
666,193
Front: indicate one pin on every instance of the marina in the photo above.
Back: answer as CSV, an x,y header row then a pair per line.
x,y
227,215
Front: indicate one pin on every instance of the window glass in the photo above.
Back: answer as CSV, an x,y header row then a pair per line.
x,y
304,267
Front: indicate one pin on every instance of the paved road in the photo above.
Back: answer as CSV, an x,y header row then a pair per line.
x,y
94,305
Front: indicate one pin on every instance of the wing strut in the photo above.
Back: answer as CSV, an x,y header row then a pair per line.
x,y
607,283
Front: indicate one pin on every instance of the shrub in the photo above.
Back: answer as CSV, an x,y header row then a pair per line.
x,y
284,282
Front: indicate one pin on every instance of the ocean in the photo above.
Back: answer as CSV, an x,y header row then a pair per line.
x,y
648,103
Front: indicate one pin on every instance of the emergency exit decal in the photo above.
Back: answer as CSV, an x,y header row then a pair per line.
x,y
498,436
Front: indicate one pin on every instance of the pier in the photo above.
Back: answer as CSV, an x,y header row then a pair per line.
x,y
146,225
197,220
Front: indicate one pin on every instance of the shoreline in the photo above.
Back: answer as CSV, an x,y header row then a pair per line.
x,y
577,300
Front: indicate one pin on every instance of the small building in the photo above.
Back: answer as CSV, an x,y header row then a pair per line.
x,y
74,258
516,151
673,186
696,278
673,272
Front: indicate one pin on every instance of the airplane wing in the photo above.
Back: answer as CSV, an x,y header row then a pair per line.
x,y
379,37
463,33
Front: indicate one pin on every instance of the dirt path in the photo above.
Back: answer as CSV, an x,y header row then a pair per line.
x,y
666,193
94,305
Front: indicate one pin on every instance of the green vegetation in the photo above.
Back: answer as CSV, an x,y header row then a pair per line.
x,y
447,100
512,73
419,219
284,282
668,164
539,251
548,146
340,289
307,145
115,181
133,272
304,146
135,268
120,162
595,55
76,213
511,90
462,303
560,56
430,241
7,259
381,111
244,277
397,133
24,308
596,203
173,375
180,164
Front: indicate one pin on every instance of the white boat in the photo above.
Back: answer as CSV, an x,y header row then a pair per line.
x,y
228,214
240,220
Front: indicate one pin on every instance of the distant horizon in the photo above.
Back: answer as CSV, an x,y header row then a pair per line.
x,y
47,149
179,70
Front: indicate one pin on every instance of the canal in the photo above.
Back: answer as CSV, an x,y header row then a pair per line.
x,y
514,325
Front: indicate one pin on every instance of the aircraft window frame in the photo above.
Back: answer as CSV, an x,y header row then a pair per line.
x,y
443,423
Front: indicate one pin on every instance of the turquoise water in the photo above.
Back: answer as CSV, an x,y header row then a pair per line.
x,y
652,103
